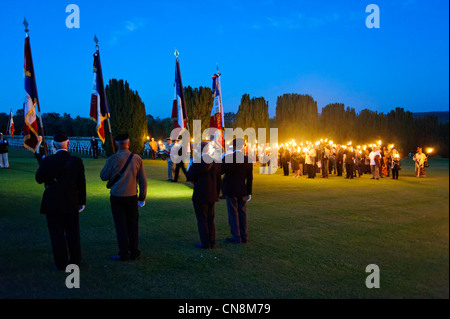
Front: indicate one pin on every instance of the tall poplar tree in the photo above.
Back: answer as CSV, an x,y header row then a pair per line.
x,y
127,115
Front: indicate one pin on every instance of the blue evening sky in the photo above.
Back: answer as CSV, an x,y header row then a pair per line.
x,y
263,48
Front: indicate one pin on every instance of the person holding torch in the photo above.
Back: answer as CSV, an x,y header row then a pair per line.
x,y
420,158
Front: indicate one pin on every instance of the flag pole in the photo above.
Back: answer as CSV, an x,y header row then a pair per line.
x,y
25,23
9,123
186,123
107,111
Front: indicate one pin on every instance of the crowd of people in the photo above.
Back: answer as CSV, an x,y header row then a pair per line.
x,y
324,159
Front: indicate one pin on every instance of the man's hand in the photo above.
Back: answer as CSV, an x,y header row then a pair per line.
x,y
81,208
141,203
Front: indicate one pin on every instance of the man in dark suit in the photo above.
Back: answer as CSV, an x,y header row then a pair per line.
x,y
63,199
339,159
237,189
349,161
94,147
205,174
286,159
179,164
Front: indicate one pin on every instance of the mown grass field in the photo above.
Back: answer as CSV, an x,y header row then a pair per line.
x,y
308,239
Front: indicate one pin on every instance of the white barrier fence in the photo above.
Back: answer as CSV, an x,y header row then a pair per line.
x,y
77,144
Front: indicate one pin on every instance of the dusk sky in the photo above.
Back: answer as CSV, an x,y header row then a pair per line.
x,y
263,48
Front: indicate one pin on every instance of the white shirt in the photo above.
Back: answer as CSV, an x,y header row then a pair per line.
x,y
372,157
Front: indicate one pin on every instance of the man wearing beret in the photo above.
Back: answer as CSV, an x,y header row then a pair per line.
x,y
205,174
237,190
127,171
63,199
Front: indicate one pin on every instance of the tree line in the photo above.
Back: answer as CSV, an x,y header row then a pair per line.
x,y
297,117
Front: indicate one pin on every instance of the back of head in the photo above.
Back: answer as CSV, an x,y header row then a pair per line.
x,y
61,141
122,141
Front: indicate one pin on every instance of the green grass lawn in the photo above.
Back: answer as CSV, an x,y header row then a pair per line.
x,y
308,239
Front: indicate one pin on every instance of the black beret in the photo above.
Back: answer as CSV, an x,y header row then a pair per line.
x,y
60,137
121,137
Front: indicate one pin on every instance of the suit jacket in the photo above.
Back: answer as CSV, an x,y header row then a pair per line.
x,y
238,178
349,156
94,144
65,183
340,155
207,180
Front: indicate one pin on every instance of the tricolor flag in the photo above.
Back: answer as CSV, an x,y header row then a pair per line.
x,y
217,120
99,104
30,130
179,114
11,128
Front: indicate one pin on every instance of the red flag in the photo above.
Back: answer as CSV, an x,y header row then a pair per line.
x,y
217,118
99,105
179,114
11,128
30,130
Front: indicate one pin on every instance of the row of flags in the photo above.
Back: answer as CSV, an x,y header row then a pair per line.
x,y
99,111
179,114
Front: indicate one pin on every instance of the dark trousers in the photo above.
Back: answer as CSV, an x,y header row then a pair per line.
x,y
237,217
311,169
285,168
394,173
331,166
357,169
177,170
205,224
126,221
339,168
324,167
349,170
64,232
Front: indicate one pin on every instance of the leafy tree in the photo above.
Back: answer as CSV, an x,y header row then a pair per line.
x,y
253,113
127,115
229,119
159,128
199,102
297,117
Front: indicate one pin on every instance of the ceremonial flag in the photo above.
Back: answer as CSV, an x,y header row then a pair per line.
x,y
11,128
99,105
30,130
217,119
179,114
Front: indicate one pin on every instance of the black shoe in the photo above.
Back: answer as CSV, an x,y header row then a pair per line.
x,y
200,246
